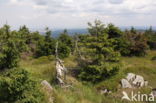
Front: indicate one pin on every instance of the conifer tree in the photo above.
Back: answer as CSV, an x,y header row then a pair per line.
x,y
11,45
101,58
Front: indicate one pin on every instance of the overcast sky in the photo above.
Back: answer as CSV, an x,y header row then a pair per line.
x,y
76,13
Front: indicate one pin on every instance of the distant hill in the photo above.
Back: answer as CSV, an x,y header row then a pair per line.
x,y
142,28
57,32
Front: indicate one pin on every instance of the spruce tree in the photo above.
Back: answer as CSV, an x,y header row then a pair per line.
x,y
11,45
101,60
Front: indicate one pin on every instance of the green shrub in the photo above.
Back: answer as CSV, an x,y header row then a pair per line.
x,y
151,38
113,31
63,50
123,46
17,87
136,44
11,45
66,39
94,73
46,46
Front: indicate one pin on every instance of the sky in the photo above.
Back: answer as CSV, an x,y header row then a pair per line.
x,y
60,14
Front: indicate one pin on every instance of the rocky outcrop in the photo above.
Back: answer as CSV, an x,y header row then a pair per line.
x,y
138,81
47,88
130,76
125,83
133,81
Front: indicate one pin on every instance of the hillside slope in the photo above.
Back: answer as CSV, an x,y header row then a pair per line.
x,y
44,69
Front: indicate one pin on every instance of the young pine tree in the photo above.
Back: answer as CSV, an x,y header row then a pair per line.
x,y
11,45
101,60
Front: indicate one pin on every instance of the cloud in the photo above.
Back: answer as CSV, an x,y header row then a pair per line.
x,y
98,6
40,7
41,2
116,1
75,11
107,7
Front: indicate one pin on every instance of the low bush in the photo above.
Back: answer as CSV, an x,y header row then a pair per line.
x,y
16,86
94,73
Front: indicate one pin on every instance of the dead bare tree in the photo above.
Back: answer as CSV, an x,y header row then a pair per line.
x,y
77,48
60,68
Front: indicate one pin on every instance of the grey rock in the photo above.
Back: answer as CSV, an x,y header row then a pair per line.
x,y
46,85
133,81
125,84
48,90
139,81
130,77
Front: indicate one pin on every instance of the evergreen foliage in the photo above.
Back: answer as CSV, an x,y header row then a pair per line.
x,y
102,58
46,46
66,39
113,31
10,47
151,38
137,44
17,87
